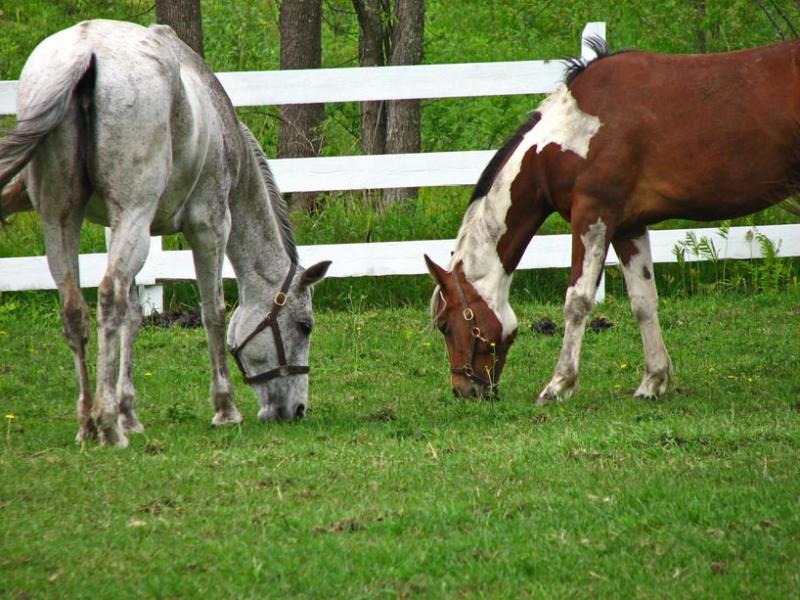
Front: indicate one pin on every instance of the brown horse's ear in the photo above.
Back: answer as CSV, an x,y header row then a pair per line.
x,y
314,274
438,273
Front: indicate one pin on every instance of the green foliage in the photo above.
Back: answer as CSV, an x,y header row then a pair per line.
x,y
768,273
244,36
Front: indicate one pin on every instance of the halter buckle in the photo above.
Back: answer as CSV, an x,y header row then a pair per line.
x,y
476,332
468,370
468,314
280,298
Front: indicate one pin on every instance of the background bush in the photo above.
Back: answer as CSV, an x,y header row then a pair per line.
x,y
243,35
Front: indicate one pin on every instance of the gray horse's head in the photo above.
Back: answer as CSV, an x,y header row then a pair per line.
x,y
270,339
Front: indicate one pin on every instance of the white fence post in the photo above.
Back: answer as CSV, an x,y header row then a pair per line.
x,y
595,29
151,297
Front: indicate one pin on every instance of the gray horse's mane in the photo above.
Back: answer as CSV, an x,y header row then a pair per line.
x,y
274,194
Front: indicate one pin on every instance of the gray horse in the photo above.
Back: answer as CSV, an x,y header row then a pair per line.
x,y
127,127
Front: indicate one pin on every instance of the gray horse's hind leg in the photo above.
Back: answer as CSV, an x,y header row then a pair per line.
x,y
126,393
208,244
59,193
130,243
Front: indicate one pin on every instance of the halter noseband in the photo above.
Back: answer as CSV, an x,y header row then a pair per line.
x,y
271,321
468,370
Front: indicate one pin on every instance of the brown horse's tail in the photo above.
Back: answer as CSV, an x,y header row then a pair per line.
x,y
48,107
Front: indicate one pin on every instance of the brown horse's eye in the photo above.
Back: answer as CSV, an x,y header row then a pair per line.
x,y
441,325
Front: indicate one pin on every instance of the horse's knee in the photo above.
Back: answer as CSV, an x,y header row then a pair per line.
x,y
643,307
214,318
112,304
577,306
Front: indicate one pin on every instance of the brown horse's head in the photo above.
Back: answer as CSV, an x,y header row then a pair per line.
x,y
472,332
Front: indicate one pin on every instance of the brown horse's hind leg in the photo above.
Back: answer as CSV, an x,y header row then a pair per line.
x,y
637,267
126,393
589,248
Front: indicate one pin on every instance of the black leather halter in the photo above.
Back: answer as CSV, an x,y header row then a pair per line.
x,y
271,320
491,347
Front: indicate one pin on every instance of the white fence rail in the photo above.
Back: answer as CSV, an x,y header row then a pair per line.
x,y
386,171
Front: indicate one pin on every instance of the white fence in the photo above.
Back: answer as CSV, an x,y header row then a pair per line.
x,y
386,171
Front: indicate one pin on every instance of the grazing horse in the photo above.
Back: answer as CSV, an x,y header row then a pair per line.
x,y
629,140
127,127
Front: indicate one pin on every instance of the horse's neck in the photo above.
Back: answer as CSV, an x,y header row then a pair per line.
x,y
255,246
494,234
476,249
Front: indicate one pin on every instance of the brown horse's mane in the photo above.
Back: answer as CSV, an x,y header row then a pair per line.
x,y
488,175
576,66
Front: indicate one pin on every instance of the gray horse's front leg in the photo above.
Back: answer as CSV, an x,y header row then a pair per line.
x,y
208,245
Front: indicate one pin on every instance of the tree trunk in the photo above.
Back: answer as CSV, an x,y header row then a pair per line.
x,y
373,41
403,116
185,18
301,48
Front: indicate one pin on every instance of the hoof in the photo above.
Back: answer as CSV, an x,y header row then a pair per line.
x,y
652,386
558,390
231,416
87,432
113,436
130,423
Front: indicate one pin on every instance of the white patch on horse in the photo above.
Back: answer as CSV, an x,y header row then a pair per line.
x,y
563,123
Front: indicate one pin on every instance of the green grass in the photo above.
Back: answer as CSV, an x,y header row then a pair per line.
x,y
391,487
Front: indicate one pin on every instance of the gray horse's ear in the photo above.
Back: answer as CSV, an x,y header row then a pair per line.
x,y
438,273
314,274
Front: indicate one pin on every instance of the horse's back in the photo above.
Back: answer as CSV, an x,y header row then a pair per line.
x,y
689,129
158,115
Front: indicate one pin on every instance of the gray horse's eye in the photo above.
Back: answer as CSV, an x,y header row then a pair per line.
x,y
305,327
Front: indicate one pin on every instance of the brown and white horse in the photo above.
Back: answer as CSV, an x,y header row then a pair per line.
x,y
630,140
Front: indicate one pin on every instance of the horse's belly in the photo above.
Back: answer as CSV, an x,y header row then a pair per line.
x,y
166,220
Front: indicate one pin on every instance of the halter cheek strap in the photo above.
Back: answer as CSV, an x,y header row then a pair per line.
x,y
271,320
468,370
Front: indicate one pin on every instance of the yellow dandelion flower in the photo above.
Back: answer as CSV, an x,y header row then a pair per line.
x,y
10,416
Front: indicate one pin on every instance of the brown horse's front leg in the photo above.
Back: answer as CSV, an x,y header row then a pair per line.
x,y
589,247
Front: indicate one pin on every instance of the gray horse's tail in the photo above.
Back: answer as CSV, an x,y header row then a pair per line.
x,y
48,112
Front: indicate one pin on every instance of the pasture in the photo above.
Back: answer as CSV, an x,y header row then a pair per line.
x,y
391,487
